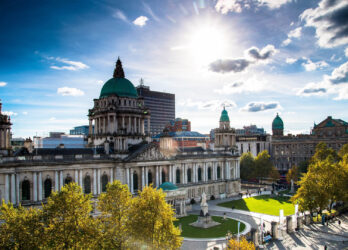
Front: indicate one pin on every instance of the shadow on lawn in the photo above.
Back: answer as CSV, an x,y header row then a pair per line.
x,y
280,199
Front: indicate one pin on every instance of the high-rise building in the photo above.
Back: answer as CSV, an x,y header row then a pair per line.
x,y
161,106
81,130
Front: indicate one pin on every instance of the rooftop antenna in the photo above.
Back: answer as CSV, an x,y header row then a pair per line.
x,y
141,82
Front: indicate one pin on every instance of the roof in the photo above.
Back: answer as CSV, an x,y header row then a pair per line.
x,y
180,134
121,87
167,186
277,123
224,116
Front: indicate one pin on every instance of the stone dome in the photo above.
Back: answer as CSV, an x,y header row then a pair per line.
x,y
224,116
119,86
277,123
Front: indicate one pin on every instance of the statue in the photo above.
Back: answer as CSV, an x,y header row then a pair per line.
x,y
204,204
292,187
204,219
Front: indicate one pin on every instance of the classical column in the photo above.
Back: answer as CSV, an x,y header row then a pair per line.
x,y
157,176
94,182
80,182
17,187
123,121
129,124
222,172
112,175
127,178
40,186
61,179
56,181
139,125
174,174
170,174
143,177
35,186
13,188
148,125
115,123
184,175
160,175
146,176
76,176
98,181
7,188
131,181
142,126
134,124
90,130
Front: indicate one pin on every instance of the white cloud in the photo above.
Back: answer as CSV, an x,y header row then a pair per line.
x,y
24,112
286,42
9,113
100,82
120,15
253,84
140,21
273,4
330,22
290,60
295,32
66,91
71,65
52,119
311,66
225,6
260,106
213,105
346,52
3,84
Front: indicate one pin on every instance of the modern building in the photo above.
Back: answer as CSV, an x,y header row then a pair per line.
x,y
17,143
60,139
81,130
119,114
178,125
250,130
291,150
254,143
161,106
187,139
5,133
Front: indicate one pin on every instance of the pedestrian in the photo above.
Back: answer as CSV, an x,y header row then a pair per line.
x,y
339,222
325,247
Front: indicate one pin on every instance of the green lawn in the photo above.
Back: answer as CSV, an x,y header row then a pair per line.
x,y
213,232
262,204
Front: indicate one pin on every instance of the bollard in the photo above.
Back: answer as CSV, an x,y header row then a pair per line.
x,y
289,227
275,230
307,219
299,222
254,237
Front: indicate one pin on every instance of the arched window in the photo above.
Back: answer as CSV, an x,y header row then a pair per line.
x,y
135,181
189,175
48,187
199,174
87,184
163,176
68,180
25,190
149,178
104,181
218,172
209,173
178,176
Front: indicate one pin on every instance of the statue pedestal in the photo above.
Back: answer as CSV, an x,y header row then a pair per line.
x,y
205,222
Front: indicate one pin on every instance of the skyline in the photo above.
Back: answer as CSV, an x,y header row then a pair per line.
x,y
258,57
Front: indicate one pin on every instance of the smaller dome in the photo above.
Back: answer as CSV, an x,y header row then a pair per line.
x,y
224,116
277,123
168,186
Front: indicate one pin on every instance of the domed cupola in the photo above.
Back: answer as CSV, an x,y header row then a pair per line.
x,y
278,126
119,85
224,120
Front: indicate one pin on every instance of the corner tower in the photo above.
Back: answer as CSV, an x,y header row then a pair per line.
x,y
277,126
225,136
118,115
5,133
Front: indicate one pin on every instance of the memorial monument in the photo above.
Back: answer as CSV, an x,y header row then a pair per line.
x,y
204,219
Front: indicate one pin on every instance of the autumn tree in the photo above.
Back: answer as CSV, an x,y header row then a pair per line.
x,y
322,152
263,165
242,244
68,221
293,174
247,166
274,174
152,220
21,228
115,215
303,166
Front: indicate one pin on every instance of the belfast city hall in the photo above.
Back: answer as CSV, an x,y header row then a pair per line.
x,y
120,148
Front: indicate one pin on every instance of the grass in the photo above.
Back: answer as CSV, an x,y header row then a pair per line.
x,y
263,204
213,232
287,191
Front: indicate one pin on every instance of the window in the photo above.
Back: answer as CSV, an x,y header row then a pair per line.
x,y
163,176
68,180
199,174
25,190
104,181
218,172
87,184
178,176
47,187
135,181
209,173
189,175
149,178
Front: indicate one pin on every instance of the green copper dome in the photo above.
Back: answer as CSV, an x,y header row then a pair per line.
x,y
167,186
119,86
224,116
277,123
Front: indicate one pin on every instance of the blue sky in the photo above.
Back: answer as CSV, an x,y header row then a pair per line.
x,y
257,57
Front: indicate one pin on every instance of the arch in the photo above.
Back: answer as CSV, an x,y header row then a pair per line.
x,y
178,176
149,178
135,181
199,174
68,180
47,187
25,190
209,173
87,184
218,172
163,176
104,182
189,174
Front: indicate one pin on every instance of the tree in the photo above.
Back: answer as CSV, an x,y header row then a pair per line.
x,y
21,228
68,220
114,220
293,174
263,165
274,174
152,220
243,244
322,152
303,166
247,166
343,151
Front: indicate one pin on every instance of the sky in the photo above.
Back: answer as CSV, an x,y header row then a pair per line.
x,y
256,57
